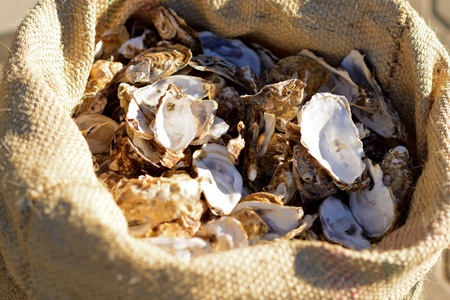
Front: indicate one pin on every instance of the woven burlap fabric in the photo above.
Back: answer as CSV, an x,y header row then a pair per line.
x,y
62,235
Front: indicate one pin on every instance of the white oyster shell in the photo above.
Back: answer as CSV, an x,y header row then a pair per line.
x,y
175,126
224,234
373,207
331,137
214,131
269,129
280,219
138,122
98,131
340,226
133,46
204,111
183,249
223,184
148,96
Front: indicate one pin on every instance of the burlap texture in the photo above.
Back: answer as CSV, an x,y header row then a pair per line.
x,y
63,236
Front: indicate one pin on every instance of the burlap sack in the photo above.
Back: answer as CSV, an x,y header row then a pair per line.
x,y
62,235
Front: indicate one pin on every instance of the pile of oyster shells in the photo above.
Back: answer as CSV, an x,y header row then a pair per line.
x,y
209,144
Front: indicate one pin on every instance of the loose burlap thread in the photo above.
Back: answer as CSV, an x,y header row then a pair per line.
x,y
62,235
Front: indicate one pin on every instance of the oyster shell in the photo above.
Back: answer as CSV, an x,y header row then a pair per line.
x,y
245,79
101,74
174,126
282,182
231,50
186,226
153,200
125,95
218,128
397,173
134,46
305,69
224,234
183,249
331,137
339,225
98,131
110,42
156,63
254,123
373,207
291,131
195,87
148,97
173,28
230,106
204,111
127,159
313,181
280,219
283,99
222,184
339,81
264,197
305,224
266,136
166,229
166,157
253,225
236,145
374,111
266,57
273,161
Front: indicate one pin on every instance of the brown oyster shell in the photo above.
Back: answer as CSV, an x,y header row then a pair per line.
x,y
253,225
111,41
155,63
230,107
397,172
264,197
282,182
245,79
283,99
127,159
172,28
236,145
102,72
313,181
307,70
154,200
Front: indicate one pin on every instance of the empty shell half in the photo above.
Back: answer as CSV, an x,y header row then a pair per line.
x,y
373,207
339,225
224,234
222,184
329,134
98,131
280,219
